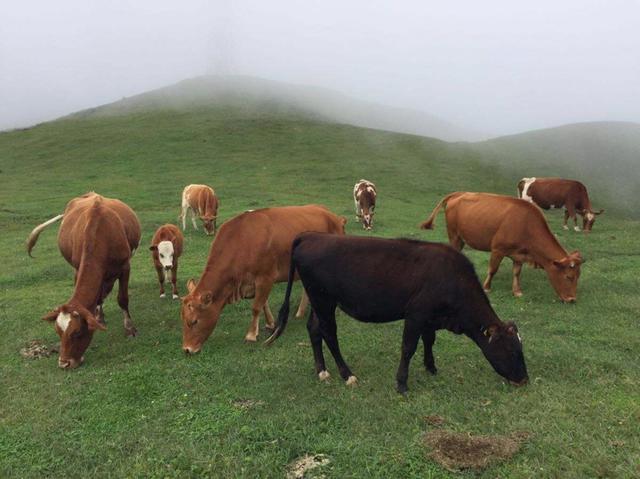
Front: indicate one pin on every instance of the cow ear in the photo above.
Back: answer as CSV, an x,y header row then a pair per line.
x,y
511,328
51,315
598,212
153,248
191,285
577,256
94,324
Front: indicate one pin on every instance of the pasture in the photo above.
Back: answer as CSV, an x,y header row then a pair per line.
x,y
141,408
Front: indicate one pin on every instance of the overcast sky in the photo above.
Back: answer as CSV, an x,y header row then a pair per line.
x,y
494,66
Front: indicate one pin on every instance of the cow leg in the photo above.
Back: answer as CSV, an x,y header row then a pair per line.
x,y
123,301
174,280
494,264
105,289
315,336
454,238
270,324
262,296
160,273
515,286
183,217
410,337
358,210
193,219
326,313
304,302
564,222
571,211
428,338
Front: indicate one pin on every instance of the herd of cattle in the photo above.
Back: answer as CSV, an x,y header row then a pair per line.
x,y
430,285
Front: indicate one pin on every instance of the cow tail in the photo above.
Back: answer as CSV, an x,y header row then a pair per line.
x,y
33,237
283,314
428,225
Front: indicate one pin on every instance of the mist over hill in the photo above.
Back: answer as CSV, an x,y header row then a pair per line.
x,y
251,96
604,155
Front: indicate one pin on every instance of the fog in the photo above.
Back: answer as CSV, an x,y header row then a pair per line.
x,y
496,67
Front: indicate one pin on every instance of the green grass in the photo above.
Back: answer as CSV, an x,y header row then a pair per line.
x,y
140,408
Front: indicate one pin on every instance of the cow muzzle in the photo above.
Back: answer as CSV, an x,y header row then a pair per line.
x,y
521,383
69,363
190,350
569,299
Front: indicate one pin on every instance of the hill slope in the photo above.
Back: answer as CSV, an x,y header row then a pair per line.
x,y
256,96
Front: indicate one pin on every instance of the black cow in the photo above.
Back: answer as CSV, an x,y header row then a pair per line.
x,y
429,285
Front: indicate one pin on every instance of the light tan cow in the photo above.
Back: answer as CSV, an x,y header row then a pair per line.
x,y
202,201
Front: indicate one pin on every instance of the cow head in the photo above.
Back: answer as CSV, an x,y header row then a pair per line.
x,y
502,346
209,224
200,315
588,219
564,274
75,325
163,254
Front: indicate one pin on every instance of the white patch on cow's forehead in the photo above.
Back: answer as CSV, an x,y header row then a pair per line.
x,y
527,183
590,216
63,320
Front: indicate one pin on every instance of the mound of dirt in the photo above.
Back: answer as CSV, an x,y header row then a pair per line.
x,y
434,420
456,451
299,468
36,349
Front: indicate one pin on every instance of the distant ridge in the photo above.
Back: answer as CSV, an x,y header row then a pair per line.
x,y
256,96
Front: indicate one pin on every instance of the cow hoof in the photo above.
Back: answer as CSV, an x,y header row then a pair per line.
x,y
352,381
402,389
517,294
175,296
162,295
576,228
324,375
270,329
565,227
131,332
486,290
432,370
250,339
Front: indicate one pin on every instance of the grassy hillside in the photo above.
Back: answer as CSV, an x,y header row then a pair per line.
x,y
604,155
140,408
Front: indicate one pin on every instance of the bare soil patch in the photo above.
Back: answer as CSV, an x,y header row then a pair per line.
x,y
299,468
247,403
455,451
37,349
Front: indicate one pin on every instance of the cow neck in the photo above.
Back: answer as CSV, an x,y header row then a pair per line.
x,y
545,248
217,272
478,316
91,271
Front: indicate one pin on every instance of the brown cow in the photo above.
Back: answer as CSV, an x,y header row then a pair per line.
x,y
560,193
97,237
510,227
250,253
166,248
364,197
200,200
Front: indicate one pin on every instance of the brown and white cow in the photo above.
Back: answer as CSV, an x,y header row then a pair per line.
x,y
166,248
97,237
512,227
250,253
202,201
364,197
560,193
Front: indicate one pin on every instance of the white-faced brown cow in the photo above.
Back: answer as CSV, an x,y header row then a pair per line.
x,y
364,197
97,237
512,227
250,253
560,193
202,201
166,248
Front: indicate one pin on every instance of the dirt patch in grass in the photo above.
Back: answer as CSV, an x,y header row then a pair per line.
x,y
434,420
456,451
299,468
37,349
247,403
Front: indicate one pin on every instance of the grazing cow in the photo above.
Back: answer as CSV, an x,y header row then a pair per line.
x,y
560,193
250,253
97,237
200,200
429,285
508,226
364,197
166,248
